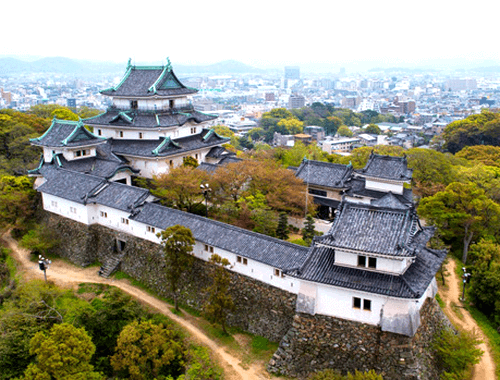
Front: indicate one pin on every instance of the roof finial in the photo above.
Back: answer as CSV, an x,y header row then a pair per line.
x,y
169,65
129,63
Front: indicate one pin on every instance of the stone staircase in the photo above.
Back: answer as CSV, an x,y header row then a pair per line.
x,y
111,265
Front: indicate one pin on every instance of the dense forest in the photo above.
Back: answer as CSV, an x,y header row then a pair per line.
x,y
456,189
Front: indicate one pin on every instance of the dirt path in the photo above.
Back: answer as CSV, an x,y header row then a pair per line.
x,y
485,369
67,275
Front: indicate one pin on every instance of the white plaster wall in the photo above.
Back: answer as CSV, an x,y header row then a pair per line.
x,y
385,187
48,153
64,207
396,266
124,174
151,104
338,302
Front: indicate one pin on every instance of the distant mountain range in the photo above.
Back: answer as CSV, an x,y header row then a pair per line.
x,y
61,65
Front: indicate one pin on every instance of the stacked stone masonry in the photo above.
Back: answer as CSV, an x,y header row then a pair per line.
x,y
307,343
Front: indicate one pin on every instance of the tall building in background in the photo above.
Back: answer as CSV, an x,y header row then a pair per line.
x,y
296,101
292,72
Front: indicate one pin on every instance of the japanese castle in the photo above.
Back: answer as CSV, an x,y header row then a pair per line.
x,y
373,266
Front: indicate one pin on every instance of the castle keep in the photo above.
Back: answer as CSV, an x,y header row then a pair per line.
x,y
370,279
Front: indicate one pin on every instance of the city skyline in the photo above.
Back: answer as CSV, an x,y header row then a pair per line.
x,y
261,34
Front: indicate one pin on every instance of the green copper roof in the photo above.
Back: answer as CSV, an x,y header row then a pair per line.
x,y
166,141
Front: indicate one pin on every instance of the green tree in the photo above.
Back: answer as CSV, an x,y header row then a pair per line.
x,y
292,125
147,351
456,353
106,317
308,231
180,188
331,125
177,244
373,129
463,211
478,129
17,199
282,231
62,353
432,171
223,131
64,114
219,302
200,367
190,161
344,131
484,286
40,240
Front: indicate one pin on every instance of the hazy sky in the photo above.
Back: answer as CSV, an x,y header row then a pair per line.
x,y
261,33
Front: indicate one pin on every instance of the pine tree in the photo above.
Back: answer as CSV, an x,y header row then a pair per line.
x,y
308,231
282,232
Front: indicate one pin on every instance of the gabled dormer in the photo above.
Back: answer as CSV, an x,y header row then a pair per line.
x,y
379,237
386,173
70,138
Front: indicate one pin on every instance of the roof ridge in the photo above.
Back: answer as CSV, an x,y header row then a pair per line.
x,y
230,226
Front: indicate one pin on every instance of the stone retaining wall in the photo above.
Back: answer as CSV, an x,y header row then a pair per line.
x,y
319,342
260,308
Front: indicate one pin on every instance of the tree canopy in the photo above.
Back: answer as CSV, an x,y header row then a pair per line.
x,y
177,242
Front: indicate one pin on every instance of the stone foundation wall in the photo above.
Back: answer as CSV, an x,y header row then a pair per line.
x,y
319,342
260,308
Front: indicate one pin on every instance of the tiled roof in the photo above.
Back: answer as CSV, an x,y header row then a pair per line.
x,y
324,173
320,267
262,248
85,189
145,119
164,147
146,81
65,133
387,167
376,230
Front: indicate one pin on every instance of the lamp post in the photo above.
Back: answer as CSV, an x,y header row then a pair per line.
x,y
205,189
43,264
465,279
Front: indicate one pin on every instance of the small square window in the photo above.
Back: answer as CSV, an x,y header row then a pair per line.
x,y
245,261
361,261
99,132
367,305
238,259
372,262
141,135
211,249
121,133
277,272
150,229
356,303
124,220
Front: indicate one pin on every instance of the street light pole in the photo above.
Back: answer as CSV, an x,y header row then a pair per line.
x,y
465,280
205,189
43,264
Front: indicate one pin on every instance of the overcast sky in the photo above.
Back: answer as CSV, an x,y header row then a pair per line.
x,y
269,33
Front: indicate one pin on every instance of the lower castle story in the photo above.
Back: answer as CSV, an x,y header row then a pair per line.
x,y
307,342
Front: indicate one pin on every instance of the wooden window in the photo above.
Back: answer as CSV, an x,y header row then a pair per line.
x,y
73,210
150,229
356,302
367,305
245,261
99,132
206,247
133,104
53,203
211,249
239,259
193,130
104,214
141,135
171,163
125,220
277,272
121,133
